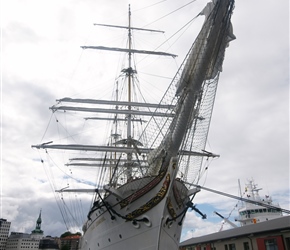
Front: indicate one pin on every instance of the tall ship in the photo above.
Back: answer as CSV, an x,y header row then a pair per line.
x,y
155,151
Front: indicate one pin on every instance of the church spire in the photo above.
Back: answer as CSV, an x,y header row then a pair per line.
x,y
37,229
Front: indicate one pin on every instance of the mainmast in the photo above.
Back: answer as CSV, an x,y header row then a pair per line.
x,y
129,114
130,75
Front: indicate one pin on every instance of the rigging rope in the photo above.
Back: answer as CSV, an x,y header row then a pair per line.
x,y
49,175
150,5
47,127
169,13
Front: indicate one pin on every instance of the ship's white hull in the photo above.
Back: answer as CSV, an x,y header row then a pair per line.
x,y
118,234
148,224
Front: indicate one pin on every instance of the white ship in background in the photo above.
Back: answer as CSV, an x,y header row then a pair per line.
x,y
253,208
264,210
145,178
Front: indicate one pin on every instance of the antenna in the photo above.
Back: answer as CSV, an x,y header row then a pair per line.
x,y
240,189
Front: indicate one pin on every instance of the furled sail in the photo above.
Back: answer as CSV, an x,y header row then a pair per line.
x,y
196,84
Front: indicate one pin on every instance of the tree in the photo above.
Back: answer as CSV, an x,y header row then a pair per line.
x,y
68,233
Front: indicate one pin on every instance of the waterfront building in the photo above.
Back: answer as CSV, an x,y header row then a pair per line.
x,y
272,234
49,243
20,241
70,242
4,232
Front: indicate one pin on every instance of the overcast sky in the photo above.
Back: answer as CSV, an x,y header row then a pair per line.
x,y
41,60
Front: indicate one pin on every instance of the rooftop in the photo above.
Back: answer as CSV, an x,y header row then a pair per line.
x,y
281,224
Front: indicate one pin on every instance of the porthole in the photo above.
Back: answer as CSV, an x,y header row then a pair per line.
x,y
168,222
146,221
136,224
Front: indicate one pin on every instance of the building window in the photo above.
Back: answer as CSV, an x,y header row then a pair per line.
x,y
246,246
271,244
226,247
232,246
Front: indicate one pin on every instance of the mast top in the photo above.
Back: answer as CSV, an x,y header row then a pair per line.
x,y
128,27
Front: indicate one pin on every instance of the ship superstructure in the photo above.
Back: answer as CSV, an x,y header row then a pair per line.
x,y
265,209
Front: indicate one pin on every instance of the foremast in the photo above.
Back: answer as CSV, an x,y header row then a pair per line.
x,y
200,69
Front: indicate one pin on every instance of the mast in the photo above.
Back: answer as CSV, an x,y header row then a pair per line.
x,y
202,64
128,113
130,74
240,190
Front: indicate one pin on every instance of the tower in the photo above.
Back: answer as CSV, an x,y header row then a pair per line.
x,y
37,231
